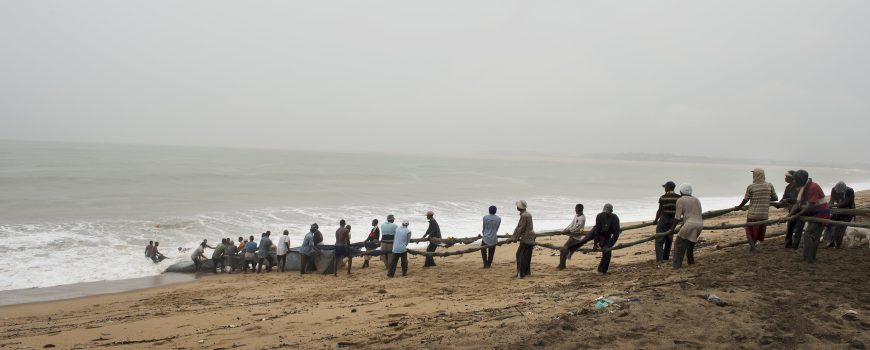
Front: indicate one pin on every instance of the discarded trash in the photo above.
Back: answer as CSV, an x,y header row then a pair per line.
x,y
623,300
850,315
715,300
603,302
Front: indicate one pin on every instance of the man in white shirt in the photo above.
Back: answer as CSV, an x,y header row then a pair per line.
x,y
198,256
283,249
575,228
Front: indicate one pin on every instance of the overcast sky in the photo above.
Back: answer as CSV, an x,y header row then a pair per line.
x,y
753,79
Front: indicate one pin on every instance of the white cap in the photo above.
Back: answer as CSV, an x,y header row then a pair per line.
x,y
686,189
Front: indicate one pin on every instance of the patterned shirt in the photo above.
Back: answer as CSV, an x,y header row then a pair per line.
x,y
760,194
525,230
668,203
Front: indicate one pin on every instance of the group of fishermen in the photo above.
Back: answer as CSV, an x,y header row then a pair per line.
x,y
802,198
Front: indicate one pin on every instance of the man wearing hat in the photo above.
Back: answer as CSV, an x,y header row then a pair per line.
x,y
688,210
665,220
606,233
760,194
794,229
434,231
525,234
400,249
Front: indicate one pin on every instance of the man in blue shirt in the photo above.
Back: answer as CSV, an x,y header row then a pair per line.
x,y
250,255
400,249
491,224
388,230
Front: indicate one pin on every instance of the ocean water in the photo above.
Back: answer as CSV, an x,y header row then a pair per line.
x,y
74,213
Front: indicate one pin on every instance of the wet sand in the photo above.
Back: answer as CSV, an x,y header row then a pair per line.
x,y
771,300
86,289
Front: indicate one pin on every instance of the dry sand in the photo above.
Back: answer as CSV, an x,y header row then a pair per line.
x,y
773,301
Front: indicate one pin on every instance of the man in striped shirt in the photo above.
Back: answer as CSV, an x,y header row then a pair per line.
x,y
760,194
665,220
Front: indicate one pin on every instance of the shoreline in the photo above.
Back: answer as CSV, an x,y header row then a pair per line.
x,y
20,297
459,304
24,296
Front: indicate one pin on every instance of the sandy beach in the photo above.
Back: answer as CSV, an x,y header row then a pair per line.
x,y
770,300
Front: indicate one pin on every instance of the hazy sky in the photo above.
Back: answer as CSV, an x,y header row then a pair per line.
x,y
753,79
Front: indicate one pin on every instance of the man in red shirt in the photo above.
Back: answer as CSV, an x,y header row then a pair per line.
x,y
811,203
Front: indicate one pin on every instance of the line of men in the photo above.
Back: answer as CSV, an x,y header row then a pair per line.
x,y
227,255
802,197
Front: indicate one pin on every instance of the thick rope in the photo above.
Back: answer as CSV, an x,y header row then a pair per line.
x,y
706,215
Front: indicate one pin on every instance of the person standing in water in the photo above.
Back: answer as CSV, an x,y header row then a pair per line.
x,y
156,256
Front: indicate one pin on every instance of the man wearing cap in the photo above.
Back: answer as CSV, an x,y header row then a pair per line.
x,y
525,234
811,203
400,249
687,210
489,233
434,231
760,194
794,229
575,228
606,233
388,232
665,220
